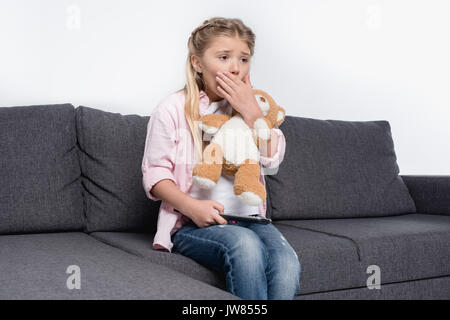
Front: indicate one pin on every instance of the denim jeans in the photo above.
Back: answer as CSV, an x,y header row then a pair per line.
x,y
257,260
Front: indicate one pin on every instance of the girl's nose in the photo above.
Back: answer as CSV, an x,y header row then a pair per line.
x,y
235,73
234,68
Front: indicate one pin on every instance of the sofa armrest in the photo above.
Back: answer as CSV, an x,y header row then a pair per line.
x,y
431,194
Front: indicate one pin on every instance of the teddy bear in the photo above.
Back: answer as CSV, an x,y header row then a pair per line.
x,y
234,149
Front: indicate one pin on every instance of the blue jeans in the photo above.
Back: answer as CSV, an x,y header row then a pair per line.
x,y
258,261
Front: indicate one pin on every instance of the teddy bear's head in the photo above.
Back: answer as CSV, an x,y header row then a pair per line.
x,y
272,111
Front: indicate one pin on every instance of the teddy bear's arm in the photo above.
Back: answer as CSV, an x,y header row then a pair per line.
x,y
211,123
281,115
261,128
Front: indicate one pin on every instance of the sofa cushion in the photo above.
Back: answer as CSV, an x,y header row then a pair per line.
x,y
427,289
40,189
334,253
140,244
330,262
405,247
34,266
337,169
112,147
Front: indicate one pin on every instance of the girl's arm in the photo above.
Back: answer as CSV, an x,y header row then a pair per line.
x,y
273,153
159,159
167,191
202,212
270,148
160,150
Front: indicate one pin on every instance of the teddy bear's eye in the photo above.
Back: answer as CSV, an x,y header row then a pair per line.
x,y
262,99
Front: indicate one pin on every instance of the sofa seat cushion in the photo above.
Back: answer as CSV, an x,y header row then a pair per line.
x,y
33,266
140,244
426,289
337,169
405,247
335,260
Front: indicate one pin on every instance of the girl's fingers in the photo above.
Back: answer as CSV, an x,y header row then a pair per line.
x,y
231,80
218,206
221,220
224,93
224,84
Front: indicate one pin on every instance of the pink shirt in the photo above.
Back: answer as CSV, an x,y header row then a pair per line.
x,y
169,154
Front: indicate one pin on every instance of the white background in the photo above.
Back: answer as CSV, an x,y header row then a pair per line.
x,y
345,60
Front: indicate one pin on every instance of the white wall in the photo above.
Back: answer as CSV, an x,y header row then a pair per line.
x,y
345,60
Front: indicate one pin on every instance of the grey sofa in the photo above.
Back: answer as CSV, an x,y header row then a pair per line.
x,y
71,196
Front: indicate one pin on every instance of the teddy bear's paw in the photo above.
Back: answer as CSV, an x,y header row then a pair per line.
x,y
261,129
281,115
208,129
203,183
250,198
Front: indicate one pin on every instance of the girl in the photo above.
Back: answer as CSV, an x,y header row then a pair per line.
x,y
257,260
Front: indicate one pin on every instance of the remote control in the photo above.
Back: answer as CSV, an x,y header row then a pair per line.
x,y
232,217
256,219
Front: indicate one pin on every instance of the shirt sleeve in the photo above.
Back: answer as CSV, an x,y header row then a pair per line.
x,y
159,151
278,156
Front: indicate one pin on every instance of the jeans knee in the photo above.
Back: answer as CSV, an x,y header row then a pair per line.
x,y
249,248
296,268
288,268
293,267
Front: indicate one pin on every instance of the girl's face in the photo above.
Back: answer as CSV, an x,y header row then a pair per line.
x,y
224,54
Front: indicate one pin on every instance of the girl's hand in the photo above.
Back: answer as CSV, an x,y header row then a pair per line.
x,y
240,95
204,213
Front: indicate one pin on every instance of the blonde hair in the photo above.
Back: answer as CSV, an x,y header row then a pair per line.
x,y
198,42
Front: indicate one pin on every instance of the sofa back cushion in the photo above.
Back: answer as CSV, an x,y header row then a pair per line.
x,y
337,169
40,189
112,147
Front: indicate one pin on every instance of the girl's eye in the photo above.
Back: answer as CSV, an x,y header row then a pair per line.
x,y
246,60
